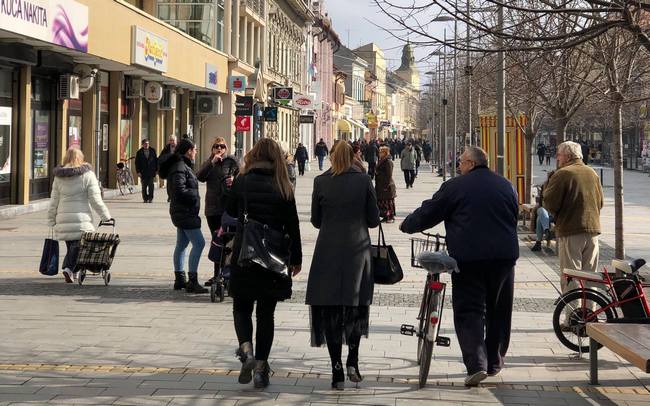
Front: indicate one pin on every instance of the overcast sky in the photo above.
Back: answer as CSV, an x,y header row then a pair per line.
x,y
350,22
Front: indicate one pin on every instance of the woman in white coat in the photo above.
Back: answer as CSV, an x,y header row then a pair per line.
x,y
74,191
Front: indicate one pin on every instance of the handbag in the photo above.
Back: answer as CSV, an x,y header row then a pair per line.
x,y
50,258
386,268
262,245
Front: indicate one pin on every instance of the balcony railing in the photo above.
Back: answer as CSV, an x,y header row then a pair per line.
x,y
256,5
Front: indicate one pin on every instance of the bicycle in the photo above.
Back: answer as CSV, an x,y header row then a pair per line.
x,y
621,292
124,177
432,304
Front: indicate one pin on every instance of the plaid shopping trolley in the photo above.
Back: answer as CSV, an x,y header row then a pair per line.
x,y
96,252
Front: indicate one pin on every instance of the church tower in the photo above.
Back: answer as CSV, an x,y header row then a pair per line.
x,y
408,71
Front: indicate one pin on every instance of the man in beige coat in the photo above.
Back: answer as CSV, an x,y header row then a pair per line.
x,y
574,198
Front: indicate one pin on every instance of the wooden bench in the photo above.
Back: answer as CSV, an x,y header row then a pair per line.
x,y
630,341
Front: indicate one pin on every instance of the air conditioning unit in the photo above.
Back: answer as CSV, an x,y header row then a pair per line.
x,y
168,101
209,105
68,87
134,88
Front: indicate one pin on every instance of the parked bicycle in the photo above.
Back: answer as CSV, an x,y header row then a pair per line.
x,y
599,298
432,305
124,177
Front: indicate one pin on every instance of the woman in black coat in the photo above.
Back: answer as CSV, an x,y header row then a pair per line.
x,y
264,182
385,186
184,207
341,285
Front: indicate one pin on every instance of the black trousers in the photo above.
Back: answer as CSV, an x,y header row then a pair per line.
x,y
482,298
242,310
214,222
71,255
371,169
541,159
147,188
301,167
409,176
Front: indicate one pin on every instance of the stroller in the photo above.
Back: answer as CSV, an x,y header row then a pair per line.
x,y
220,252
96,253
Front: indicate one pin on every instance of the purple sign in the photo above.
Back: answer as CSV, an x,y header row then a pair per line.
x,y
60,22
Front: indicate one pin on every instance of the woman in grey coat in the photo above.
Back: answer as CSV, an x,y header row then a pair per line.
x,y
340,286
408,158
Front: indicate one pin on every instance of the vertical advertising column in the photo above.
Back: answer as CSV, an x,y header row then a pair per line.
x,y
24,134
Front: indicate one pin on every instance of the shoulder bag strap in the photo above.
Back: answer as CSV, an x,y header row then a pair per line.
x,y
381,240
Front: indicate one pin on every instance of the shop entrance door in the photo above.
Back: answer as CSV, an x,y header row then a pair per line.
x,y
42,138
5,135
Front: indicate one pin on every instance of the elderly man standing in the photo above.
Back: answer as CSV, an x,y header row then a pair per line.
x,y
574,197
480,213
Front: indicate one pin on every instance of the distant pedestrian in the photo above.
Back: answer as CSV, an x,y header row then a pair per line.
x,y
585,152
418,158
541,152
408,158
426,150
340,286
262,190
371,155
357,161
74,191
574,197
217,172
301,157
165,154
479,210
146,166
184,207
321,152
385,186
291,169
543,218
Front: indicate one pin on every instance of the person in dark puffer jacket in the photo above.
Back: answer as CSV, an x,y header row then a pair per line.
x,y
184,207
270,200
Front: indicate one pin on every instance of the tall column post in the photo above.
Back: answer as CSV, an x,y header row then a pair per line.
x,y
24,135
114,113
227,26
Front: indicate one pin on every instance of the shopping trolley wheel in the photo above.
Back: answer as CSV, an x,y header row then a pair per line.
x,y
213,293
107,277
221,291
81,277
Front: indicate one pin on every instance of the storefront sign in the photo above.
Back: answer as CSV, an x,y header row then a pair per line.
x,y
271,114
60,22
306,119
153,92
105,137
149,50
283,95
242,123
244,106
303,102
237,83
372,120
210,76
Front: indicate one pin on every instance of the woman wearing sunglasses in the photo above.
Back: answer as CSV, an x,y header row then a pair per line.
x,y
218,173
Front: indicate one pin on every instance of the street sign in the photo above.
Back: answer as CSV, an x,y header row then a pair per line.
x,y
306,119
283,95
244,106
271,114
303,102
242,123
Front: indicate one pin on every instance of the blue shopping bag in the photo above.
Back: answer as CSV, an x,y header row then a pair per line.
x,y
50,258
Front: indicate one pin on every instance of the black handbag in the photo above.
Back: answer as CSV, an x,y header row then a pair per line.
x,y
262,245
386,268
50,258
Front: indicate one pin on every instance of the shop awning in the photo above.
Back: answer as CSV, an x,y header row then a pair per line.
x,y
344,125
359,124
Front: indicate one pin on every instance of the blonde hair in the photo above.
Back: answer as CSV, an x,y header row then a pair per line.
x,y
384,150
73,158
267,150
219,140
341,158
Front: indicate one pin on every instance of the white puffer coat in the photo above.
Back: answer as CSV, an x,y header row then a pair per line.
x,y
74,191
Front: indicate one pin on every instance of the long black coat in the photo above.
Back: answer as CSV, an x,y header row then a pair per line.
x,y
147,168
266,205
343,207
384,184
480,213
301,154
183,192
214,176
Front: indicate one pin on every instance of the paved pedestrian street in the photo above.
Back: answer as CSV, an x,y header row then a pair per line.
x,y
137,342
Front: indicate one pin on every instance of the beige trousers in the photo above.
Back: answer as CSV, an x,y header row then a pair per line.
x,y
578,252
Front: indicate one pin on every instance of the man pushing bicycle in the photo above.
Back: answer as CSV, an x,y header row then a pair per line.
x,y
480,211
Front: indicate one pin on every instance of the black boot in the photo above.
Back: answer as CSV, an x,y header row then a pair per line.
x,y
180,282
338,377
193,285
537,246
261,377
245,354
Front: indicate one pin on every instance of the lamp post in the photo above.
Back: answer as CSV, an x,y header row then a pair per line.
x,y
501,98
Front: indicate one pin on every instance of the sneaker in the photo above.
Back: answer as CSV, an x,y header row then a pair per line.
x,y
475,378
68,275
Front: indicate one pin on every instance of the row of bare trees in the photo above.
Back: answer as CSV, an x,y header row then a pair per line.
x,y
568,62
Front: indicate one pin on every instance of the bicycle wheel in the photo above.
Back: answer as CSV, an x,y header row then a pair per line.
x,y
426,350
130,184
421,317
572,313
120,184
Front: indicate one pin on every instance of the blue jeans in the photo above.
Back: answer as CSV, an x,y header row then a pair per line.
x,y
543,223
183,238
320,162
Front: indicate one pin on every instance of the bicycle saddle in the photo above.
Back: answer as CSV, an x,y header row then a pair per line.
x,y
626,266
437,262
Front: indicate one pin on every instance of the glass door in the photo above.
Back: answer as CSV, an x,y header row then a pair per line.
x,y
5,135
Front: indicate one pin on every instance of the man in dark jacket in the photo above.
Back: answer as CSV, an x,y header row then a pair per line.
x,y
146,166
321,152
371,155
301,156
479,210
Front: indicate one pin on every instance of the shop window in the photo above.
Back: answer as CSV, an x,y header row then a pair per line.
x,y
74,123
145,121
5,144
195,17
40,144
